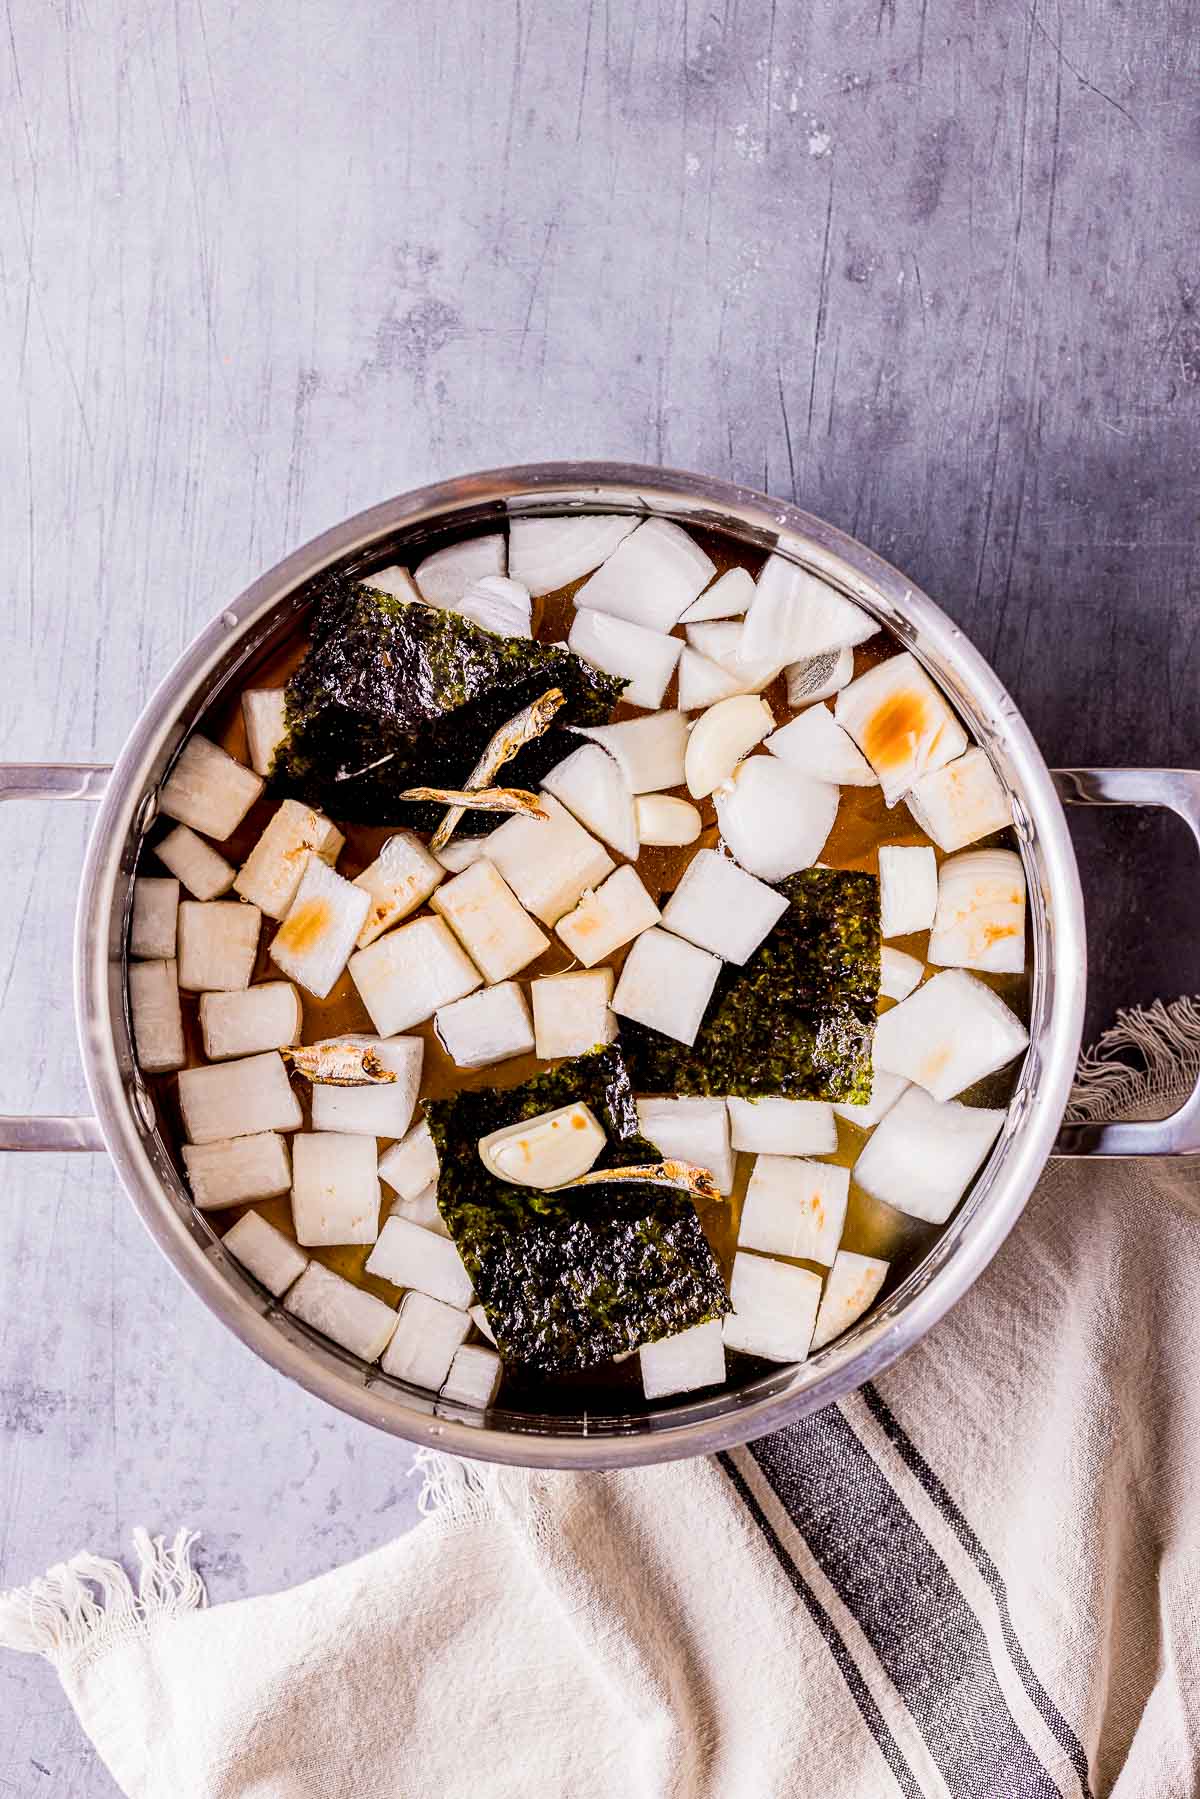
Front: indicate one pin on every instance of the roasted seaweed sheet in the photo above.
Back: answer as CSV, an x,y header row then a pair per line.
x,y
797,1018
574,1278
395,694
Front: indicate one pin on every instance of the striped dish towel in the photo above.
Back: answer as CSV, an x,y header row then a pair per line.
x,y
979,1578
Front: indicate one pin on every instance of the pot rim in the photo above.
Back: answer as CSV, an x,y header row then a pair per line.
x,y
966,1244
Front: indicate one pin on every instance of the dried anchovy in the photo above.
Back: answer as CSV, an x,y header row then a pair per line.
x,y
528,724
341,1062
483,799
699,1182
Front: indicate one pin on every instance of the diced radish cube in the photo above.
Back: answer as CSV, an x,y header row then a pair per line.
x,y
317,936
425,1340
793,614
271,874
900,722
548,862
885,1091
348,1314
774,1308
401,878
479,1319
644,659
547,553
157,1019
850,1287
208,790
152,925
612,915
408,974
571,1013
421,1209
720,907
444,577
408,1256
238,1099
196,864
680,1364
264,713
980,920
949,1034
722,642
817,745
720,738
394,579
486,1027
795,1208
690,1130
923,1154
273,1259
960,803
728,597
898,973
907,889
703,682
383,1110
335,1188
233,1170
474,1377
218,945
591,784
818,677
489,921
774,819
783,1127
461,853
650,750
666,984
269,1016
651,577
410,1166
662,819
498,605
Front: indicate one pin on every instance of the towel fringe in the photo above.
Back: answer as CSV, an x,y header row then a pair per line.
x,y
1165,1037
454,1492
82,1608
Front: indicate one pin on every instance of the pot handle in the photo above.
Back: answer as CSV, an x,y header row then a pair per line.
x,y
1178,789
52,781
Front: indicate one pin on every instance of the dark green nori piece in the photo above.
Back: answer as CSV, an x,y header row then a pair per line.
x,y
573,1278
797,1018
425,689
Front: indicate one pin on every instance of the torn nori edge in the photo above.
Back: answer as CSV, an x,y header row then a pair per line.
x,y
797,1019
571,1279
391,677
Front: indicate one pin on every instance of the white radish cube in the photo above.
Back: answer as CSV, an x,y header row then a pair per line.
x,y
486,1027
489,921
498,605
774,1308
960,803
571,1013
795,1208
461,853
850,1287
408,974
885,1091
423,1346
444,577
651,578
234,1170
898,973
793,614
394,579
644,659
690,1130
479,1319
352,1317
774,819
817,745
379,1110
421,1209
269,1016
720,907
272,872
273,1259
923,1154
317,936
264,713
776,1126
605,919
666,984
157,1019
195,864
818,677
949,1034
410,1166
218,945
401,878
547,1150
650,750
703,682
907,889
722,642
335,1188
409,1256
548,862
980,919
728,597
238,1099
152,924
474,1377
900,722
720,738
547,553
663,819
680,1364
208,790
591,784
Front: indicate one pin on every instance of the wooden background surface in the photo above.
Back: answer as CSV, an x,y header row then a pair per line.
x,y
926,265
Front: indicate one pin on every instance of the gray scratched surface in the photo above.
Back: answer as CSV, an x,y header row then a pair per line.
x,y
928,266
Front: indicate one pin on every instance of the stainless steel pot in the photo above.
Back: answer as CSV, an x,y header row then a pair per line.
x,y
124,1121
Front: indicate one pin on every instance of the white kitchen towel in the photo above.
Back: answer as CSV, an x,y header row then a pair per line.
x,y
979,1578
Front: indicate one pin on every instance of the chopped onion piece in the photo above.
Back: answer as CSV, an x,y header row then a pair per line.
x,y
335,1188
381,1110
218,945
238,1099
774,1308
850,1287
498,604
591,784
728,597
795,1208
949,1034
703,682
795,614
551,1150
680,1364
407,975
264,714
266,1016
273,1259
900,722
980,920
721,643
723,909
651,577
479,1319
157,1019
474,1377
898,973
775,820
348,1314
650,750
410,1166
907,889
960,803
644,659
423,1345
395,580
408,1256
489,921
233,1170
695,1130
547,553
666,984
401,878
818,677
275,866
208,790
444,577
776,1126
315,940
196,864
923,1154
571,1013
816,745
720,738
548,865
153,921
663,819
486,1027
885,1091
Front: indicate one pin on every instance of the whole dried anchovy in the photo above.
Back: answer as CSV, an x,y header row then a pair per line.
x,y
699,1182
339,1063
528,724
483,799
